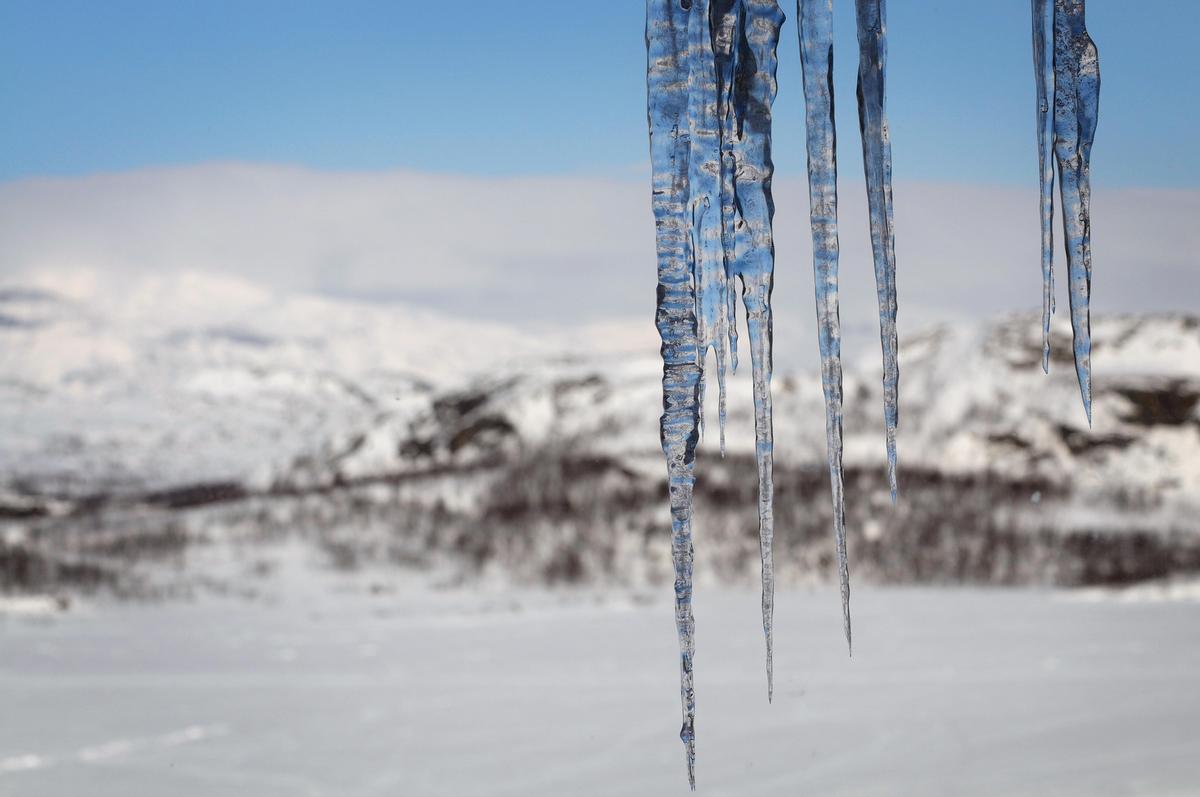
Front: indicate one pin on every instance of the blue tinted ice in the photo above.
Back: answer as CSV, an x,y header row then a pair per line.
x,y
816,59
711,82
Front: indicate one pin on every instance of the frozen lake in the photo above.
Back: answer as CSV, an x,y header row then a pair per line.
x,y
327,687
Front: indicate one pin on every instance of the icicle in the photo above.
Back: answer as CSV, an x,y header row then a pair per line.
x,y
704,181
877,163
726,22
1076,105
711,80
754,89
816,60
667,23
1043,68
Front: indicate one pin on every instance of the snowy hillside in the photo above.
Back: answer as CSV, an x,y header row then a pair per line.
x,y
385,431
197,378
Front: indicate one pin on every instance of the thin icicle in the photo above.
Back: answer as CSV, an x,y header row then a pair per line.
x,y
726,18
816,59
711,81
877,164
755,87
1043,69
670,148
704,180
1076,105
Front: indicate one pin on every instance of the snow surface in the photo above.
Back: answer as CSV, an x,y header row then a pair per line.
x,y
366,684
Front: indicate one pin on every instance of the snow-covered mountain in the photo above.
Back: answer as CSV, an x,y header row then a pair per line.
x,y
194,391
197,378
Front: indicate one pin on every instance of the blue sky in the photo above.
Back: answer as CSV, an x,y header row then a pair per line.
x,y
541,87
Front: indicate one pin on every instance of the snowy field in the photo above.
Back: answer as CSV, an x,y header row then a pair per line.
x,y
347,684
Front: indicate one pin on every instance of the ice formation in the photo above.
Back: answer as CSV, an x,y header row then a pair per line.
x,y
877,164
816,61
754,30
676,316
1071,127
711,80
1043,68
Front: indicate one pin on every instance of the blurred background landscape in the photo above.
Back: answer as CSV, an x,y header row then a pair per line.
x,y
460,452
329,397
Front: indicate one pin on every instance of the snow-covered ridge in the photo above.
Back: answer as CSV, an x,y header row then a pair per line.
x,y
197,379
181,409
974,401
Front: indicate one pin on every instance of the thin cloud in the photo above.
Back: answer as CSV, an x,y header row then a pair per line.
x,y
567,250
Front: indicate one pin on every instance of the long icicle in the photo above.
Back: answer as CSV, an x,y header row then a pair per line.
x,y
725,22
704,181
755,88
816,60
1043,68
670,148
877,164
1076,105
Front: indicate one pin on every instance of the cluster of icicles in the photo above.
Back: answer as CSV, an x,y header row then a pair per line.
x,y
711,68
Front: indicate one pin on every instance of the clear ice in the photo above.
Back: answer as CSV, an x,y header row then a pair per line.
x,y
1076,105
1043,68
816,60
757,38
711,82
711,68
877,164
704,198
676,317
